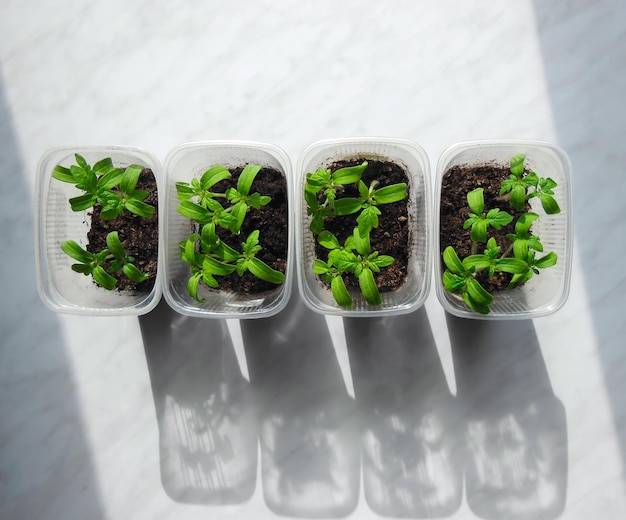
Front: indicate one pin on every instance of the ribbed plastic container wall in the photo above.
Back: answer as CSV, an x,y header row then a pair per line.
x,y
60,288
412,158
545,293
182,164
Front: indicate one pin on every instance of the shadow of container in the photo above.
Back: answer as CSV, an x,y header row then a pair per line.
x,y
310,460
207,425
411,449
516,433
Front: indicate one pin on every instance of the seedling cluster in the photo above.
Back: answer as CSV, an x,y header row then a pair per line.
x,y
519,258
355,256
210,208
114,191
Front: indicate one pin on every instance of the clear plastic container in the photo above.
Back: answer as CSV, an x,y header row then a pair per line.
x,y
414,160
545,293
182,164
60,288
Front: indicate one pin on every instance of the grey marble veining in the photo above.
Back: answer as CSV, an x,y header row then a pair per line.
x,y
419,416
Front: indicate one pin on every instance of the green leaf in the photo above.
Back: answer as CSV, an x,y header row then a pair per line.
x,y
80,160
115,246
192,286
497,218
216,267
383,260
479,231
247,178
194,211
478,293
476,201
349,175
320,267
103,278
368,219
263,271
317,224
475,306
518,197
347,206
368,287
103,165
130,177
82,202
340,292
214,175
549,204
452,261
522,226
140,208
517,165
389,194
63,174
85,269
453,282
133,273
239,215
110,179
328,240
547,261
73,250
511,265
360,242
184,191
476,262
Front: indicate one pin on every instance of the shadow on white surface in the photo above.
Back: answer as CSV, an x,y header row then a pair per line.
x,y
309,449
411,427
205,414
584,55
44,453
515,427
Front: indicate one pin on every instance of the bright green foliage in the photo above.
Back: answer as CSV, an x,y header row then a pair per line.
x,y
103,265
479,221
209,256
520,187
112,188
355,257
460,275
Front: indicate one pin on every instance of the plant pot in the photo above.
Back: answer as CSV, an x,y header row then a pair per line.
x,y
190,161
396,154
543,293
61,288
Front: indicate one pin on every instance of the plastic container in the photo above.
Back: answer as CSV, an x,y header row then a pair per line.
x,y
60,288
182,164
545,293
414,290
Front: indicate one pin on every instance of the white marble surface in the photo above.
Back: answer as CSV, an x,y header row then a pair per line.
x,y
100,421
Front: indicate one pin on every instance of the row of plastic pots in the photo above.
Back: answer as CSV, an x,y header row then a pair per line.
x,y
66,291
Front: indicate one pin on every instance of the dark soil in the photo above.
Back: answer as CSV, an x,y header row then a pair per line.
x,y
391,237
138,235
457,182
272,222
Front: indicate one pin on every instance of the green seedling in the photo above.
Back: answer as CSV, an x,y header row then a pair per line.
x,y
207,209
104,264
521,187
459,276
114,189
208,255
355,257
322,193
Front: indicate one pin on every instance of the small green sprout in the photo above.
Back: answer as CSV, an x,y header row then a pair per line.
x,y
114,189
208,255
520,187
479,220
322,192
102,265
460,275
